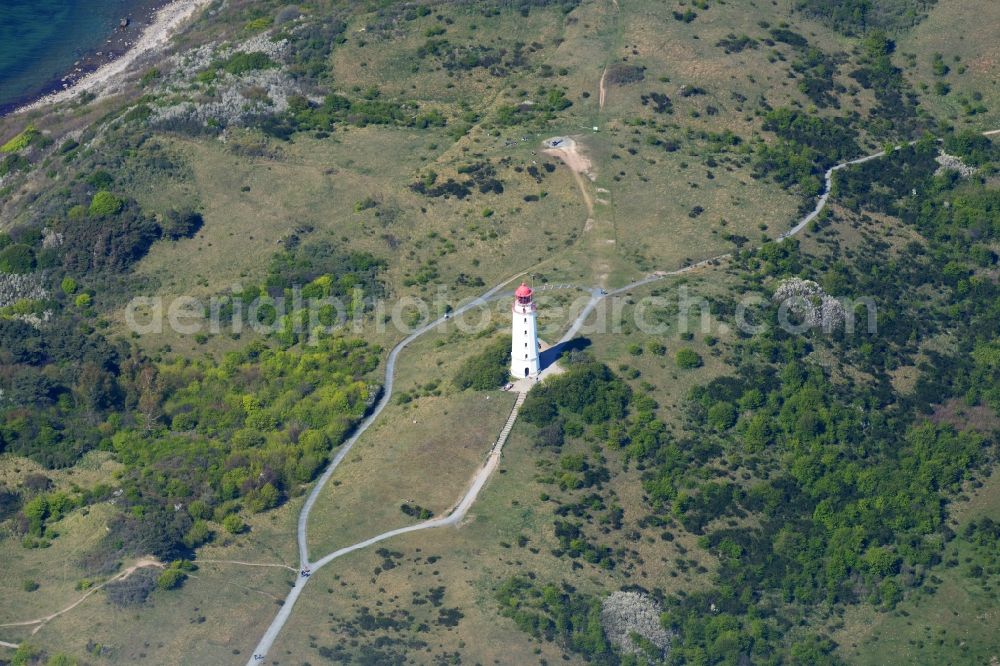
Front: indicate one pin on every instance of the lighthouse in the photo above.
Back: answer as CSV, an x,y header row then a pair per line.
x,y
524,334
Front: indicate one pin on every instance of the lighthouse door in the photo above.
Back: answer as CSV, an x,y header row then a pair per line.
x,y
526,372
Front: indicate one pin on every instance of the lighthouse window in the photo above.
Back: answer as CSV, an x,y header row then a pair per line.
x,y
525,320
525,344
525,357
525,332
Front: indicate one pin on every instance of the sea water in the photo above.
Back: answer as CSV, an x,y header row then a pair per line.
x,y
40,40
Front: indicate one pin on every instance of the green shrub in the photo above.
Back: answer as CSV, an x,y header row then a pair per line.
x,y
17,258
972,147
69,286
432,118
24,655
489,369
207,76
13,163
150,76
587,388
620,74
171,579
687,359
263,498
248,62
234,524
104,203
101,180
656,348
722,416
21,141
199,534
30,585
262,23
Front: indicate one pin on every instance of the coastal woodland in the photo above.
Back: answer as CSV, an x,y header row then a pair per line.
x,y
819,494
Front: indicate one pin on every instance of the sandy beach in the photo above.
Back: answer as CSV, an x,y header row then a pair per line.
x,y
105,79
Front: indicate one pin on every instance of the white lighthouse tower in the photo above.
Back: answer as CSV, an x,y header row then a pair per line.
x,y
524,335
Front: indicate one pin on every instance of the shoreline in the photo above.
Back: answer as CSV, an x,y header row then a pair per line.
x,y
114,43
164,22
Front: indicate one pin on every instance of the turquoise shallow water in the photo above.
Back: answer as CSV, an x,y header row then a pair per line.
x,y
41,39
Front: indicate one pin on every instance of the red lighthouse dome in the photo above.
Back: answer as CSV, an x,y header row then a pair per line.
x,y
522,296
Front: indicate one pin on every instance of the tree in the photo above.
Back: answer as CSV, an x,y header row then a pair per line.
x,y
880,561
95,388
149,396
36,511
181,224
24,655
722,416
687,358
489,369
264,498
234,524
199,534
171,579
105,204
17,258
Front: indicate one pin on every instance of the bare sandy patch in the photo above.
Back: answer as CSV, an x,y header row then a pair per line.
x,y
567,150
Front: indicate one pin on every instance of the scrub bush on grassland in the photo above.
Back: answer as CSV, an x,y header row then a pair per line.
x,y
855,17
847,483
489,369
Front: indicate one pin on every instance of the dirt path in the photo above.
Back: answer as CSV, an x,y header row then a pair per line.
x,y
454,517
263,593
567,150
248,564
140,564
602,90
42,621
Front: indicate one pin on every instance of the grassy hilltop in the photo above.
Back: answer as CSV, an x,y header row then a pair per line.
x,y
818,497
